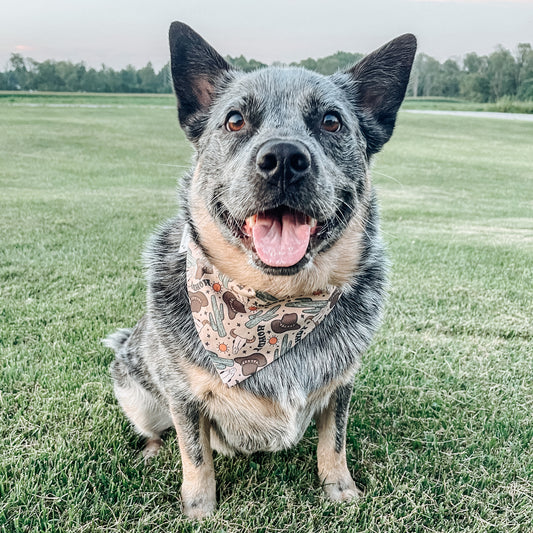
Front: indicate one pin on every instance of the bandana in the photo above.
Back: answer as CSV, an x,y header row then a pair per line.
x,y
244,330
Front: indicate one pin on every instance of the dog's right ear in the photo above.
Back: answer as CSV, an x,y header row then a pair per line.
x,y
196,69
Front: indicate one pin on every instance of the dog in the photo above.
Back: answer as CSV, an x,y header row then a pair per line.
x,y
266,288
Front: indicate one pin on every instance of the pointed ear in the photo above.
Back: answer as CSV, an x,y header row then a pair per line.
x,y
380,81
196,69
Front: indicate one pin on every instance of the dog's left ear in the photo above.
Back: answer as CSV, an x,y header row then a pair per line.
x,y
196,69
379,82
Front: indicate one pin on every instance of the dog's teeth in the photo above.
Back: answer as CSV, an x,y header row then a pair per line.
x,y
251,221
311,222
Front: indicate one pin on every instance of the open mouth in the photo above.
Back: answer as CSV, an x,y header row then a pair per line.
x,y
280,237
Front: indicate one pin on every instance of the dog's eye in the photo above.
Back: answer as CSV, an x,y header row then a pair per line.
x,y
331,122
235,121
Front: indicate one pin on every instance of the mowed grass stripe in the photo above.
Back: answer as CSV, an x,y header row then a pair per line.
x,y
441,424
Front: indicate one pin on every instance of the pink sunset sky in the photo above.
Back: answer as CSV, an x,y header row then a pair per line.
x,y
120,32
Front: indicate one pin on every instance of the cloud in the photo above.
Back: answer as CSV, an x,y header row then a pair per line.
x,y
23,48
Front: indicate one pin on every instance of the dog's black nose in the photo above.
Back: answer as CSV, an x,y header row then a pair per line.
x,y
283,160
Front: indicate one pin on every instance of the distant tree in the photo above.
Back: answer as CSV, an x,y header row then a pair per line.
x,y
450,79
427,72
338,61
309,64
47,77
502,73
71,74
164,79
414,80
93,82
129,80
254,65
147,78
111,81
329,64
475,83
18,75
244,64
524,61
473,63
475,87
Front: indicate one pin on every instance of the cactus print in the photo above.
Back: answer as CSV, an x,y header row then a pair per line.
x,y
243,331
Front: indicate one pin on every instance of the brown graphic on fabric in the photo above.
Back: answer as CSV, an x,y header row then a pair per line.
x,y
244,330
198,300
288,322
234,306
203,269
251,363
239,341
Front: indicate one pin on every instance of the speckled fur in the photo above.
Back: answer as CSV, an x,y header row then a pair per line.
x,y
162,375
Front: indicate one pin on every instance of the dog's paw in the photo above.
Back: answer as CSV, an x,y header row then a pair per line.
x,y
198,507
151,449
342,490
198,499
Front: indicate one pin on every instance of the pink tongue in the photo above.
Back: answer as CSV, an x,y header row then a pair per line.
x,y
281,242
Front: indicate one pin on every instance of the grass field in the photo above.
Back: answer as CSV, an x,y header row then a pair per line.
x,y
441,427
504,105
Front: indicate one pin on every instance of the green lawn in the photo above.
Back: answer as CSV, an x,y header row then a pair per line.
x,y
441,427
504,105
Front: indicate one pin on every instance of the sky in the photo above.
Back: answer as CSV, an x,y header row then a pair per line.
x,y
122,32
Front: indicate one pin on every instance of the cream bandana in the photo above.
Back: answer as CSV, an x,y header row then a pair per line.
x,y
244,330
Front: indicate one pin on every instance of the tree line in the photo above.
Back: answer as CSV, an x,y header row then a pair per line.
x,y
481,78
26,74
501,74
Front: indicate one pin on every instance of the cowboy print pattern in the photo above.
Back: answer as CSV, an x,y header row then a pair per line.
x,y
244,330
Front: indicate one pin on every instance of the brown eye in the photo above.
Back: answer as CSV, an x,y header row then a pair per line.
x,y
235,121
331,122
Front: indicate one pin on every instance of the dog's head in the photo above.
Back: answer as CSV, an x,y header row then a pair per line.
x,y
283,153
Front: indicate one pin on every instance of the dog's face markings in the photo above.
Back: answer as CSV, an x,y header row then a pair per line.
x,y
284,152
288,184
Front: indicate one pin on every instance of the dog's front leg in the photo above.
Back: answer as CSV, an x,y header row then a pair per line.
x,y
198,488
331,452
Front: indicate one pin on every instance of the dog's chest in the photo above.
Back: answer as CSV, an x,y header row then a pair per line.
x,y
244,422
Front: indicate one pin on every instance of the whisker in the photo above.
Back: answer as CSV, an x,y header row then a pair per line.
x,y
387,176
